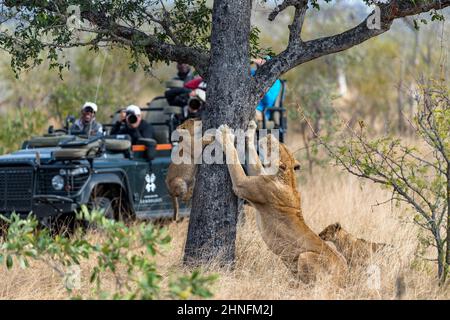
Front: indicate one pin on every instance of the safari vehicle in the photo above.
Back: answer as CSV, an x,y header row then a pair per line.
x,y
55,174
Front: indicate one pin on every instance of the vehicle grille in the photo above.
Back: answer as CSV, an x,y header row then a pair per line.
x,y
16,189
45,183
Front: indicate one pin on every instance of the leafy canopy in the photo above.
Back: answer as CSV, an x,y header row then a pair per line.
x,y
33,31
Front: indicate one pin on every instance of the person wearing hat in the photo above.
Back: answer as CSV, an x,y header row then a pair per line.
x,y
133,125
184,73
87,124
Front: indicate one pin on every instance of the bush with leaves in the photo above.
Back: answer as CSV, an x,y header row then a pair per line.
x,y
18,126
126,253
418,176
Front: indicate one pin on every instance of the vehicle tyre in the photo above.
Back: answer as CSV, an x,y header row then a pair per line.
x,y
112,201
103,204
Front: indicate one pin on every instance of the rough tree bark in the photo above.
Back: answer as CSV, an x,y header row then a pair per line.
x,y
447,254
212,226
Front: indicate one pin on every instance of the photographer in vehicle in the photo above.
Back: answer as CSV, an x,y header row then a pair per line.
x,y
131,123
196,103
86,124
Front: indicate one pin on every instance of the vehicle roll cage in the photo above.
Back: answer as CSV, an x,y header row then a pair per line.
x,y
172,122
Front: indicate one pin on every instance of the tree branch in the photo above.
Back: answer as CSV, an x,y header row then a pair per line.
x,y
307,51
295,29
108,29
152,45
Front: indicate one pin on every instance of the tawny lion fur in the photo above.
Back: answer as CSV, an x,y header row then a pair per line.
x,y
356,251
180,179
278,210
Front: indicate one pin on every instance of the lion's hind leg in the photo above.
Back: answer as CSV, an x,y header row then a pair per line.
x,y
308,266
178,188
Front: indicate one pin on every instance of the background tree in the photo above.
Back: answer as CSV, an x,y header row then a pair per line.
x,y
217,42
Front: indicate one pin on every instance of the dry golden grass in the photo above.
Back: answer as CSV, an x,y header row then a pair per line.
x,y
259,274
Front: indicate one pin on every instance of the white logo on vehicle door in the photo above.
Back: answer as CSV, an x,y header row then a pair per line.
x,y
150,185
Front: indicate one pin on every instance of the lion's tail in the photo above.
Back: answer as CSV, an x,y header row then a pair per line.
x,y
176,208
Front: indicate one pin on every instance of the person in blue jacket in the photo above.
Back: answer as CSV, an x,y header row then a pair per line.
x,y
269,99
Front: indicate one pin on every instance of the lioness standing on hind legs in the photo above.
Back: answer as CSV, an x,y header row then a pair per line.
x,y
278,208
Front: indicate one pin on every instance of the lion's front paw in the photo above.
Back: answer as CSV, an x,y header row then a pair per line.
x,y
221,134
224,129
252,126
224,135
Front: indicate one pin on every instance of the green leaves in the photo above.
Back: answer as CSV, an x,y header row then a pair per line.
x,y
18,126
9,261
196,284
50,27
256,51
418,175
127,254
191,22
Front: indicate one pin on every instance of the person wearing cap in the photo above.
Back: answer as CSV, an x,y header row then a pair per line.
x,y
133,125
184,73
179,95
270,97
87,124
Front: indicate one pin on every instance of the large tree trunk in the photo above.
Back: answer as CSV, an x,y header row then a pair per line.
x,y
213,219
447,233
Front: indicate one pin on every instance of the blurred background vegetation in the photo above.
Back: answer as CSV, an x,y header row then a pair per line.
x,y
371,83
41,97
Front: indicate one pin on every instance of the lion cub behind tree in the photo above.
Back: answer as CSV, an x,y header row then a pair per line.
x,y
356,251
180,179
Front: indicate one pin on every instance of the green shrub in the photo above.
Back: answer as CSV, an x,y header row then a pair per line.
x,y
417,176
19,126
128,254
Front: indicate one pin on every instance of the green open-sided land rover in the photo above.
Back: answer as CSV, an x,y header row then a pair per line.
x,y
53,175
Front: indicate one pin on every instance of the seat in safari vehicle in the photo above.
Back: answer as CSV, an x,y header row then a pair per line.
x,y
78,148
48,140
114,144
160,115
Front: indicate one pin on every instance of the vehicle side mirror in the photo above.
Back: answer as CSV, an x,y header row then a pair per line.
x,y
150,145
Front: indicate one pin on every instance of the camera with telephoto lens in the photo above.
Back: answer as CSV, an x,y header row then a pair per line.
x,y
131,118
195,103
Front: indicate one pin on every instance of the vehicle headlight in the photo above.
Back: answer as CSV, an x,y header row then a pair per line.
x,y
58,183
